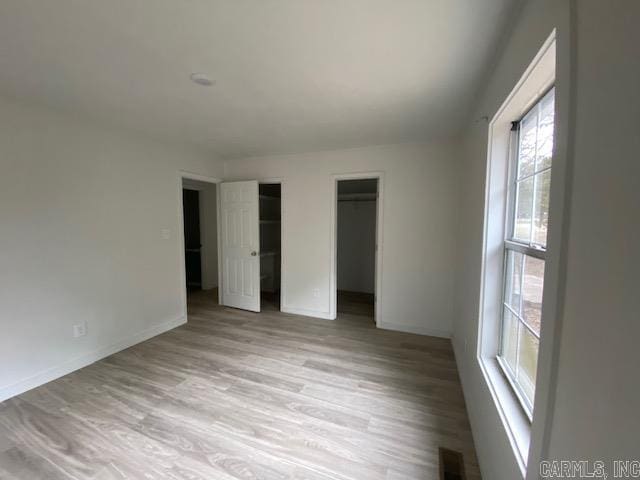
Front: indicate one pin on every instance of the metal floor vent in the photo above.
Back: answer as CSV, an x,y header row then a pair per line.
x,y
451,465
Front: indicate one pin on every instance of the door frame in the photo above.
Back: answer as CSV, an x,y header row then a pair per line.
x,y
280,181
333,289
186,175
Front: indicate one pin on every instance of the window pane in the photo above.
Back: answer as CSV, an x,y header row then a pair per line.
x,y
541,213
513,280
544,141
532,292
527,362
527,144
524,210
509,338
528,223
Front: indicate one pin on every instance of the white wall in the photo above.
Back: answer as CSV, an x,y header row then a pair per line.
x,y
588,408
596,404
418,233
82,210
357,245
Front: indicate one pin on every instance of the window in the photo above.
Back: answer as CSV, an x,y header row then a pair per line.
x,y
514,247
525,247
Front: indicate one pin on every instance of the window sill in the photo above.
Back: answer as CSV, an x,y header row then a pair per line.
x,y
512,415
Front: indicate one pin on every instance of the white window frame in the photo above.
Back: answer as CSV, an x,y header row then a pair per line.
x,y
511,243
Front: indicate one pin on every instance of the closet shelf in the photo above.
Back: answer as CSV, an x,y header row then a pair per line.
x,y
267,222
268,254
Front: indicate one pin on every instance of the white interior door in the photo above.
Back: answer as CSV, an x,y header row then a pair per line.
x,y
240,234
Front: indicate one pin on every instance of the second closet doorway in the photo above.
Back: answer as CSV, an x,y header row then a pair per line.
x,y
270,200
356,244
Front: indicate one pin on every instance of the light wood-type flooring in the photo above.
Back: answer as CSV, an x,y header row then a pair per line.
x,y
238,395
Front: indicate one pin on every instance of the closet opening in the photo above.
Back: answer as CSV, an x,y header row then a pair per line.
x,y
192,239
270,199
200,239
357,213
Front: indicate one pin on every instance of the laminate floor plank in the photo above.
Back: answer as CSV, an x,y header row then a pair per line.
x,y
238,395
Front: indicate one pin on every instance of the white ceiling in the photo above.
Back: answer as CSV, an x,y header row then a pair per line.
x,y
291,75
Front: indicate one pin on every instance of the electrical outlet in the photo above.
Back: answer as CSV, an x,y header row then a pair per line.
x,y
316,292
165,234
80,330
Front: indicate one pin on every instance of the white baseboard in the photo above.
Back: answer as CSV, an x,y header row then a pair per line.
x,y
307,313
382,324
77,363
417,329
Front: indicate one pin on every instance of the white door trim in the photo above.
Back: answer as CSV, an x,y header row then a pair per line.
x,y
185,175
333,287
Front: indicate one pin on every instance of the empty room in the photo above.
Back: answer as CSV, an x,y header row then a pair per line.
x,y
319,239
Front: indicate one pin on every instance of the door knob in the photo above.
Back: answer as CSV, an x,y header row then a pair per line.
x,y
254,253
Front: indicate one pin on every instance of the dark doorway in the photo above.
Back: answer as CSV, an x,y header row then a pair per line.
x,y
270,245
192,245
356,248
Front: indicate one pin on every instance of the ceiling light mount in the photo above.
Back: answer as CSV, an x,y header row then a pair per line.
x,y
201,79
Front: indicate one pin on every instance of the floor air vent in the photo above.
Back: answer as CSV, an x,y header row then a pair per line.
x,y
451,465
